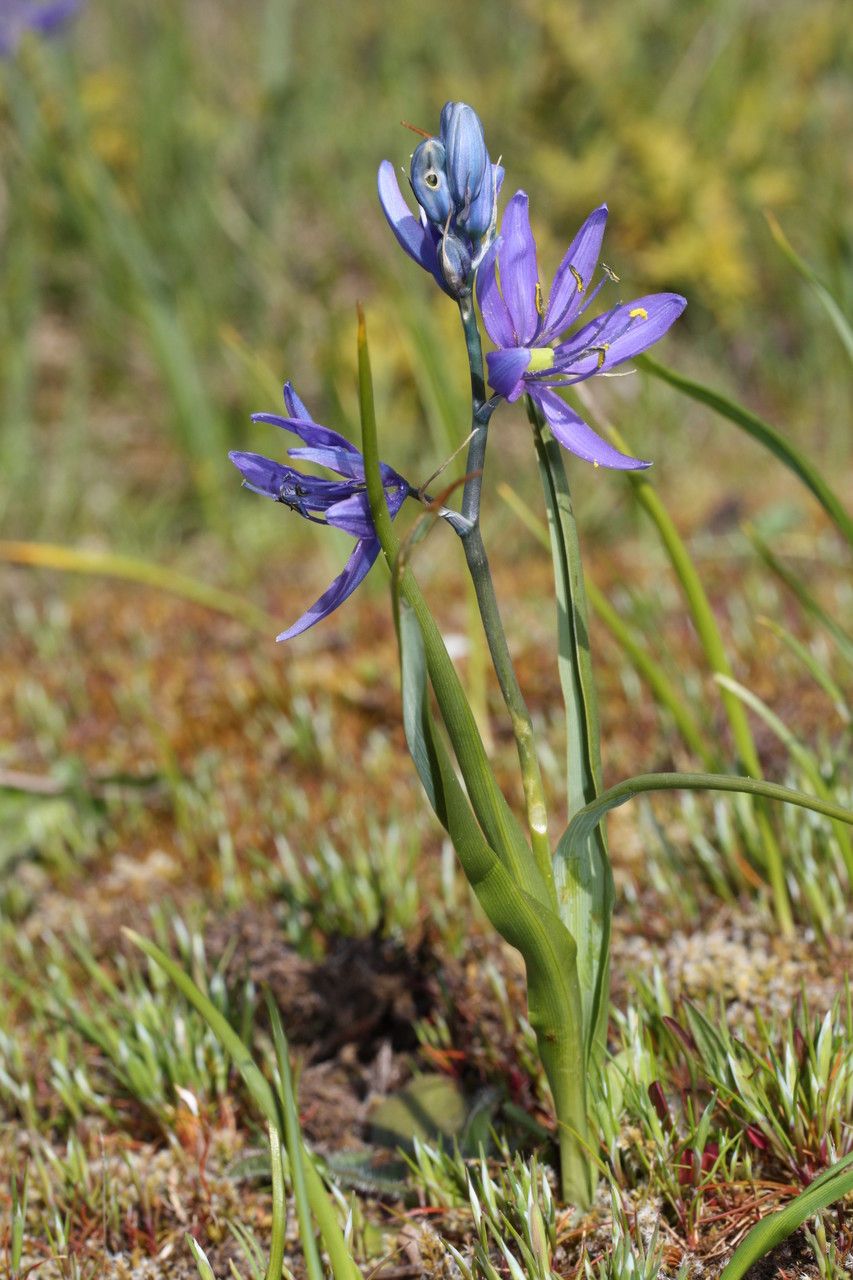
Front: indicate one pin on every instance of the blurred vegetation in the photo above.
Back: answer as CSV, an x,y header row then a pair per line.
x,y
189,213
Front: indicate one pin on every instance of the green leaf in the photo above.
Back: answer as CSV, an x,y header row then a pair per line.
x,y
583,878
547,947
761,431
583,823
831,1186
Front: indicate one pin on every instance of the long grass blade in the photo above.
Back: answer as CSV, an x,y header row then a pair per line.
x,y
764,433
258,1086
815,668
797,587
294,1152
584,880
662,688
833,310
831,1186
278,1230
799,753
46,555
718,660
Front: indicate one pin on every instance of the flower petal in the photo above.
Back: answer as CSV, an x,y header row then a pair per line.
x,y
352,514
315,436
496,318
519,272
506,371
342,461
295,407
354,572
620,334
260,474
579,438
580,261
412,235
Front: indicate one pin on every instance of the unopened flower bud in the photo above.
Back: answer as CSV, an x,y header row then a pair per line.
x,y
455,260
429,181
482,214
467,160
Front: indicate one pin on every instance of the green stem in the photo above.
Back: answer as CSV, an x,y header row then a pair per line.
x,y
497,820
478,568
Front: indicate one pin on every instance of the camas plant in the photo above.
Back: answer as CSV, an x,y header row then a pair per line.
x,y
553,905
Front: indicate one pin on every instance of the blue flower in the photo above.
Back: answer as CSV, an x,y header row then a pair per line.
x,y
456,187
527,327
20,16
342,503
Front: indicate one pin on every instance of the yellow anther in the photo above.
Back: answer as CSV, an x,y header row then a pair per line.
x,y
638,311
578,279
540,308
596,464
602,352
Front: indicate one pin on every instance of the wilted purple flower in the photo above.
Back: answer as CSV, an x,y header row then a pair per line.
x,y
524,325
342,503
456,187
20,16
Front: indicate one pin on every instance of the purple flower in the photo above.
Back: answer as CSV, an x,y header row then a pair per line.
x,y
526,327
342,503
20,16
456,187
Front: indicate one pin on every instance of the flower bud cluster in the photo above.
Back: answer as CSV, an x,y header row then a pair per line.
x,y
455,184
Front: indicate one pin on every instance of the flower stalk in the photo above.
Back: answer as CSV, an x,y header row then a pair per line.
x,y
481,576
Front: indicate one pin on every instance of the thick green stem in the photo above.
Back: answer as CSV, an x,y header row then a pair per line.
x,y
478,567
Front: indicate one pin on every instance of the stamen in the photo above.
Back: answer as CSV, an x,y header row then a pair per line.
x,y
610,273
578,278
638,311
540,309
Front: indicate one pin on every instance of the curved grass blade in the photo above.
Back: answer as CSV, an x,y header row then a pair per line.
x,y
797,587
584,881
816,670
663,690
801,754
761,431
718,661
831,1186
833,310
258,1086
583,823
46,555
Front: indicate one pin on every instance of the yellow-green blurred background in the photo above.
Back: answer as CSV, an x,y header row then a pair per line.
x,y
189,215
